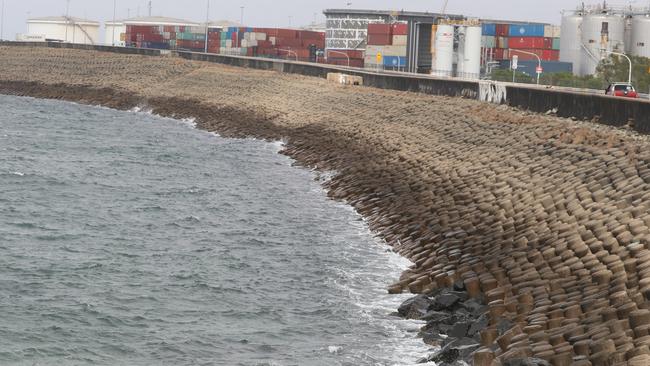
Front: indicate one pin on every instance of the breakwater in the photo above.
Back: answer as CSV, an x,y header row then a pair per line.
x,y
619,112
543,218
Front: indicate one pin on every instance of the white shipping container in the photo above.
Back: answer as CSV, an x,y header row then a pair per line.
x,y
229,43
552,31
386,50
399,40
260,36
249,43
272,40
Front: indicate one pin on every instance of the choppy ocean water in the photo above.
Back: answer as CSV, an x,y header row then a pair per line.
x,y
130,239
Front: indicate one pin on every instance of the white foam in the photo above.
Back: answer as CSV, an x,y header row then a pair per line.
x,y
20,174
335,350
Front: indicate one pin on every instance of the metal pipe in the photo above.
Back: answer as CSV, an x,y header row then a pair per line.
x,y
290,52
207,25
114,16
340,53
2,20
67,18
539,60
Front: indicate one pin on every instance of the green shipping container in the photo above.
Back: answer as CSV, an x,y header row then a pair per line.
x,y
556,43
488,42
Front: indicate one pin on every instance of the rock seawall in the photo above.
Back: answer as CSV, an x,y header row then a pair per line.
x,y
546,219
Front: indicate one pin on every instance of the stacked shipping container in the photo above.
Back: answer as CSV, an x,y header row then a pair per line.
x,y
165,37
272,42
389,40
501,41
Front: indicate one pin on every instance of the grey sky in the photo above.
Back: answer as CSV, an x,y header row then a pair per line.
x,y
273,13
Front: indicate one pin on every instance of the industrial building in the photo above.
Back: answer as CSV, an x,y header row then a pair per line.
x,y
347,30
63,29
114,32
442,45
591,33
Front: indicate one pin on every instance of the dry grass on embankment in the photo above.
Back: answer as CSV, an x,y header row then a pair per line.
x,y
547,217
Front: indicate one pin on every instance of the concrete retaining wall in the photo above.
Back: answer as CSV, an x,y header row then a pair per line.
x,y
598,107
88,47
593,107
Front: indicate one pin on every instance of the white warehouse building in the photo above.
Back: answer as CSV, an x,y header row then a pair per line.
x,y
64,29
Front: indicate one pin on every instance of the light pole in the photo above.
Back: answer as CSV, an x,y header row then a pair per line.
x,y
539,61
2,20
207,25
67,19
114,16
241,19
340,53
629,77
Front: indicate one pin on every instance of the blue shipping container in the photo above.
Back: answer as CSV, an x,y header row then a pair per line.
x,y
395,61
529,67
491,29
526,30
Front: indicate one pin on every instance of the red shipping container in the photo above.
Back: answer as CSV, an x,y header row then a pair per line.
x,y
501,54
287,33
350,53
548,43
311,35
526,42
270,32
288,42
384,29
503,30
400,29
551,55
380,39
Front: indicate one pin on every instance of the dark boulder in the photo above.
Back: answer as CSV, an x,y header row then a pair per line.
x,y
459,330
478,325
414,308
446,301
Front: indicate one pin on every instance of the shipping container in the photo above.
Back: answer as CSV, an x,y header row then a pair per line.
x,y
502,42
489,29
399,40
526,30
372,50
400,29
526,42
488,42
502,30
556,43
379,39
380,29
395,61
548,66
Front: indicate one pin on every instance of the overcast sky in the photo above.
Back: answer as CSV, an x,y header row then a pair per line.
x,y
273,12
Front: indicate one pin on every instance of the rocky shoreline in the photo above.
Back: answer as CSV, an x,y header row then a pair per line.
x,y
539,226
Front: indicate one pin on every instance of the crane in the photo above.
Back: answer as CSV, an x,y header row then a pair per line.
x,y
444,7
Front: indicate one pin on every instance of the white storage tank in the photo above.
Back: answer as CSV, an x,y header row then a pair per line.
x,y
469,52
443,58
628,34
640,40
65,29
593,27
114,33
570,41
